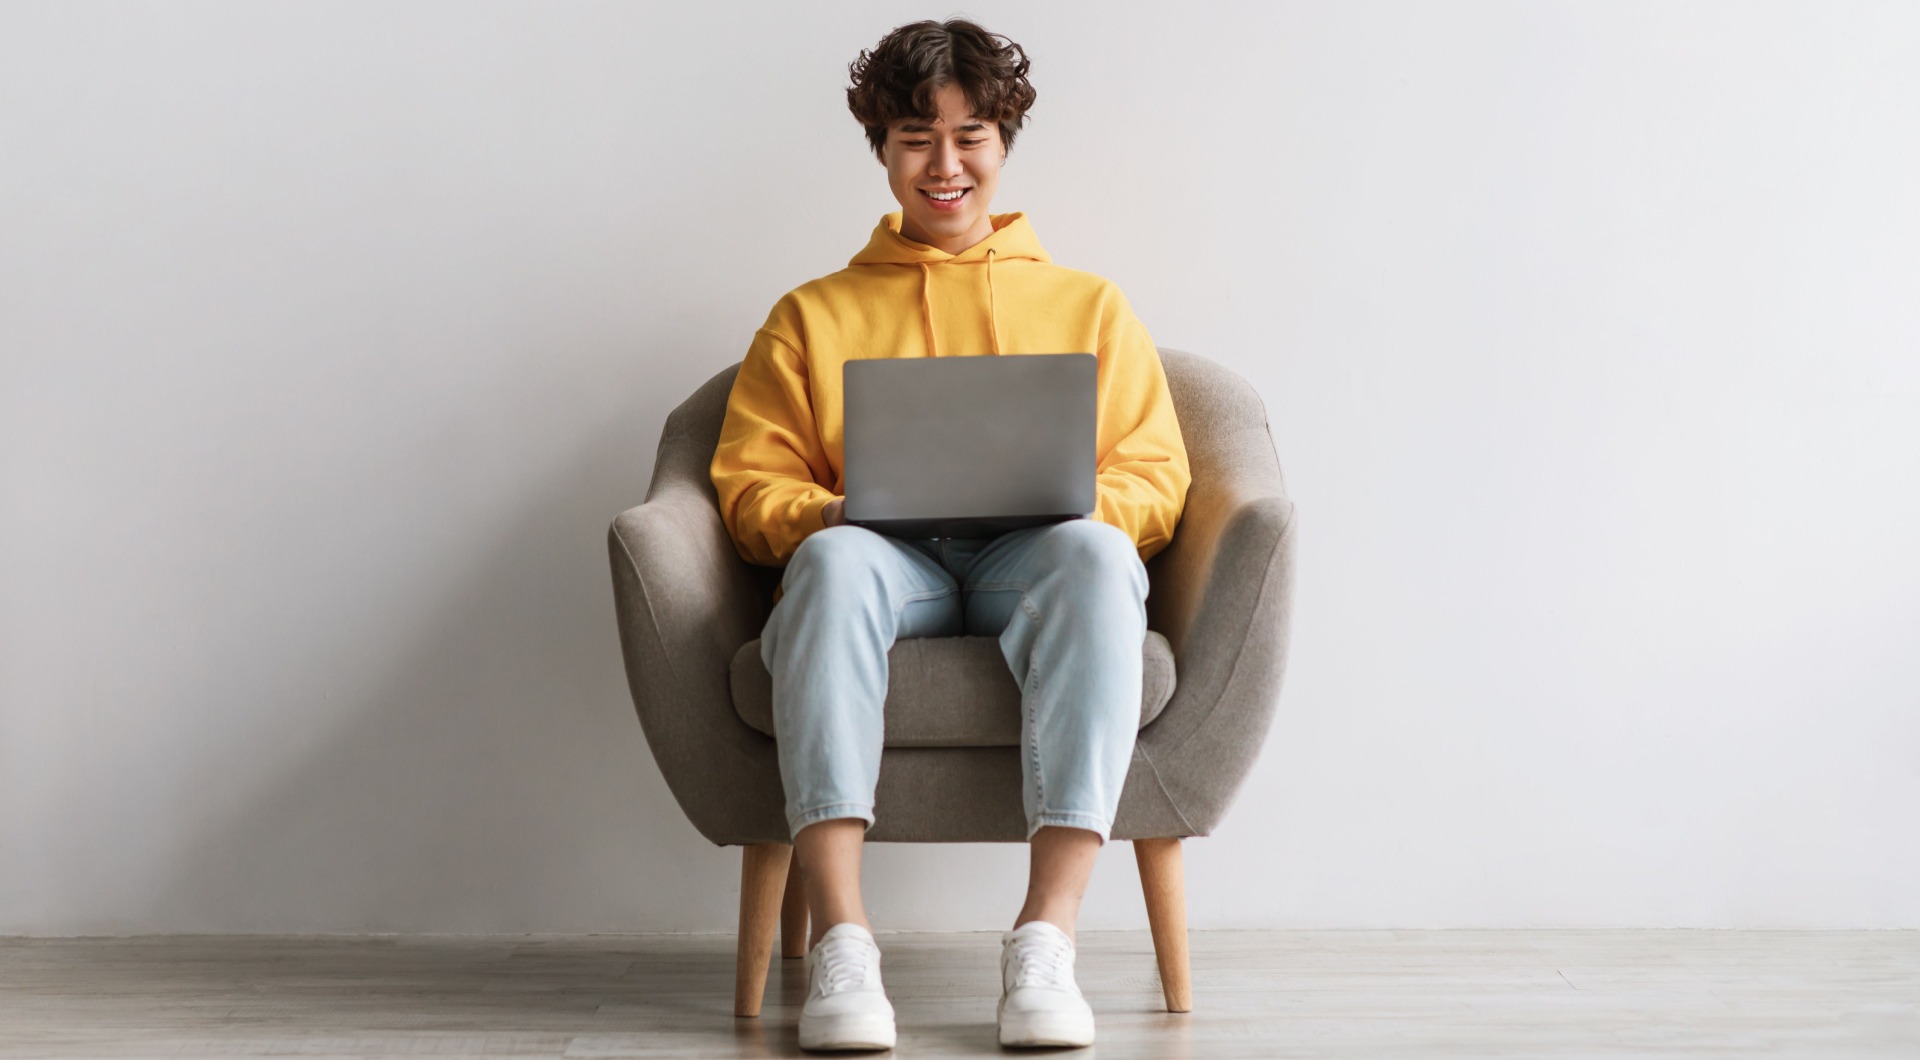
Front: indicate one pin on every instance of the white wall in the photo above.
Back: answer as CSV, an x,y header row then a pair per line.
x,y
335,335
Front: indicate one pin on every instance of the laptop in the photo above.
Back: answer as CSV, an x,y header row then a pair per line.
x,y
969,446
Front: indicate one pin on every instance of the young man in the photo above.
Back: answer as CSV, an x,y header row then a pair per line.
x,y
941,277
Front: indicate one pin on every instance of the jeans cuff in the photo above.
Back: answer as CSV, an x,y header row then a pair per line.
x,y
862,810
1093,822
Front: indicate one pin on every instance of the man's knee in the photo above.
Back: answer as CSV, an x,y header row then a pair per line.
x,y
835,550
835,571
1100,549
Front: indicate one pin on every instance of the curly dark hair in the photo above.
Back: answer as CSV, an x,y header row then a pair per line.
x,y
898,77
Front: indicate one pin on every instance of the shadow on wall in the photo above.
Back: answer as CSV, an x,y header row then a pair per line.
x,y
492,775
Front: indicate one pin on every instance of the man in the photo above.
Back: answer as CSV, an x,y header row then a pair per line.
x,y
941,103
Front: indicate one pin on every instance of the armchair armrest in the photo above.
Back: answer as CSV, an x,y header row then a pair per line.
x,y
685,601
1222,595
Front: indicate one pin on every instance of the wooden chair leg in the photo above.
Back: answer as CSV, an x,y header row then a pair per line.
x,y
1165,887
763,880
793,913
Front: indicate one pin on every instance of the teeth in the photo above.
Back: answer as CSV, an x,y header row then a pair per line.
x,y
948,196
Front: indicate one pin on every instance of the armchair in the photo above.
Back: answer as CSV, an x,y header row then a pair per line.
x,y
1218,611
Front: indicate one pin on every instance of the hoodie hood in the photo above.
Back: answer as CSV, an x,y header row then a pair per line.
x,y
1012,239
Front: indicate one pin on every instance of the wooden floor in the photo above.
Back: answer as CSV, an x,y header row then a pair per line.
x,y
1388,994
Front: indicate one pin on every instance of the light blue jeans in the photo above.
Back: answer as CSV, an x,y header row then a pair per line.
x,y
1068,601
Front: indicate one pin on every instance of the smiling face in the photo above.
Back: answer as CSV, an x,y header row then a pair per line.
x,y
956,152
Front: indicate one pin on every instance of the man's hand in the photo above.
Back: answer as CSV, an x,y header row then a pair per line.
x,y
831,513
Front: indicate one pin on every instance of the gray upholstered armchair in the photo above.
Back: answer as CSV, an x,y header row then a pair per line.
x,y
690,610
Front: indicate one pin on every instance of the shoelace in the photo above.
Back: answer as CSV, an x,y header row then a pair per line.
x,y
843,964
1039,961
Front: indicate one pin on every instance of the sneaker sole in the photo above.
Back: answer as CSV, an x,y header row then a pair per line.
x,y
1044,1028
847,1032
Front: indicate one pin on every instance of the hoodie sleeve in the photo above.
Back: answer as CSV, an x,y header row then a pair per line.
x,y
1143,474
770,462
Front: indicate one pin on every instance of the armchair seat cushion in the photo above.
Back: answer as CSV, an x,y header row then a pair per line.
x,y
946,691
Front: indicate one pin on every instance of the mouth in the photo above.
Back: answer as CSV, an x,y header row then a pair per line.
x,y
945,204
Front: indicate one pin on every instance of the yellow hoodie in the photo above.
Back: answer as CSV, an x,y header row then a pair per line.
x,y
778,463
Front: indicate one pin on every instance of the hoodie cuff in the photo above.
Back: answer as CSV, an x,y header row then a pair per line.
x,y
812,515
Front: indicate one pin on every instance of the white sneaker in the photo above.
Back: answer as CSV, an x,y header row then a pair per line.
x,y
1040,1004
846,1006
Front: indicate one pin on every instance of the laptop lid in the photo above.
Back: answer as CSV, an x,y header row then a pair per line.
x,y
969,446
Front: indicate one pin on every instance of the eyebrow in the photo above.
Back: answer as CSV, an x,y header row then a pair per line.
x,y
915,126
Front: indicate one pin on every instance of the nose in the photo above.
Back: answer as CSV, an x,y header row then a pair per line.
x,y
944,160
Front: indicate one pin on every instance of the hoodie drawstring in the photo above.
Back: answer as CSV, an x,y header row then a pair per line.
x,y
926,307
993,318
